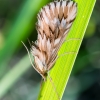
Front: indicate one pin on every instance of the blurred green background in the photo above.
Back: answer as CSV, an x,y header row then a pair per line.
x,y
18,80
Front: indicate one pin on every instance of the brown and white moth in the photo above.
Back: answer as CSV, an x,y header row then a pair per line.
x,y
54,22
53,25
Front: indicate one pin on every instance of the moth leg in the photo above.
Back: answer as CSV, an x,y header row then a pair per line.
x,y
52,63
41,82
72,39
66,53
53,85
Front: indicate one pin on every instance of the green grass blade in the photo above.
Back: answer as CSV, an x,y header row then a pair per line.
x,y
13,75
62,69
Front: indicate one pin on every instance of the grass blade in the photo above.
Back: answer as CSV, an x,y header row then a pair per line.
x,y
62,69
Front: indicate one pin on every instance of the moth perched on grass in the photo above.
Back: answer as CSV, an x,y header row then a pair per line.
x,y
53,25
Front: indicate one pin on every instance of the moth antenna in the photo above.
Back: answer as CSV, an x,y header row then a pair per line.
x,y
54,87
31,59
28,53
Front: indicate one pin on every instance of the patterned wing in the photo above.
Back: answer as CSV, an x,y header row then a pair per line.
x,y
54,23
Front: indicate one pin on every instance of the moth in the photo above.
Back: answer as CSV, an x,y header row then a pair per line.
x,y
54,22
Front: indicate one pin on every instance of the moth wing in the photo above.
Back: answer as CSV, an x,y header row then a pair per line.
x,y
67,13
